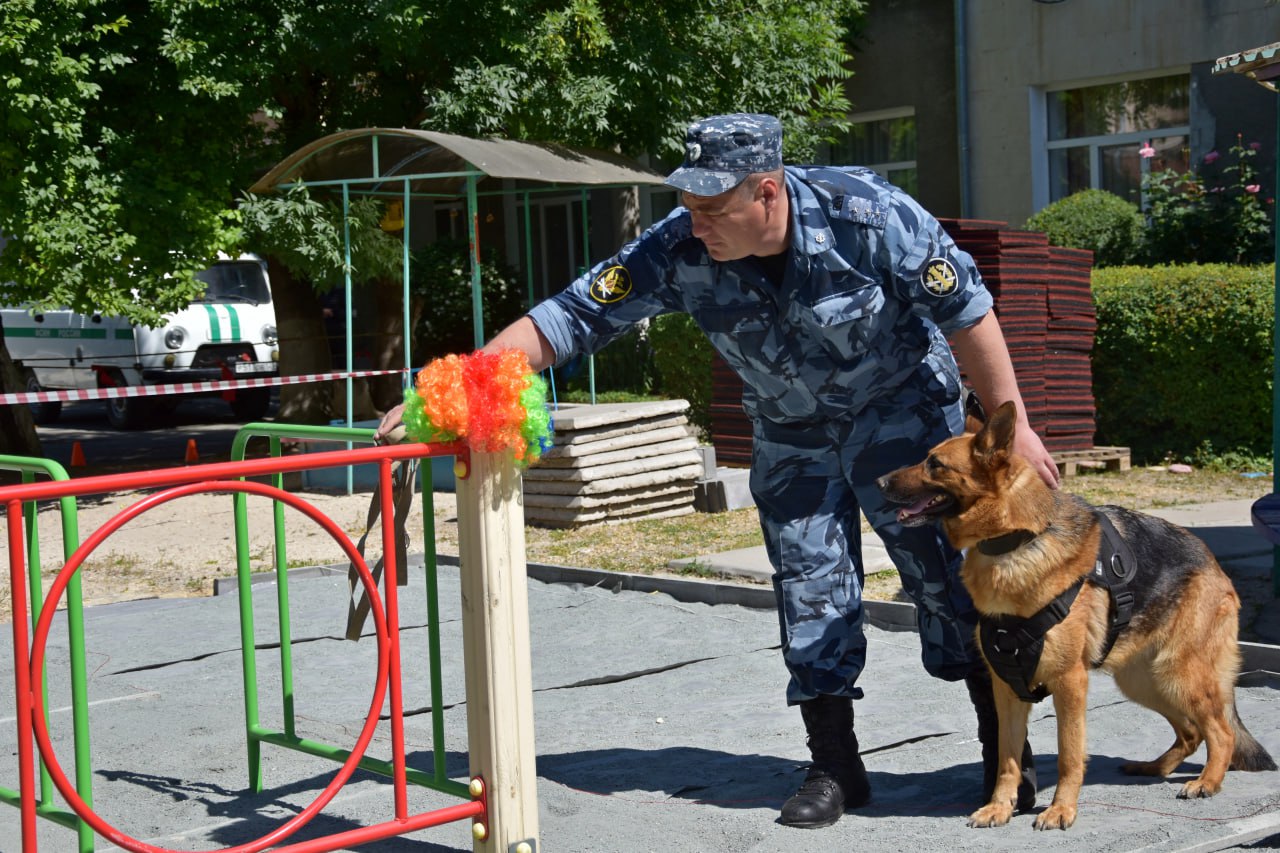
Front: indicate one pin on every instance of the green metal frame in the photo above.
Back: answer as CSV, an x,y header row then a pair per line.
x,y
257,734
348,186
29,467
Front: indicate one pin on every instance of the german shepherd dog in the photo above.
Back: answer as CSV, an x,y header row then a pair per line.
x,y
1178,654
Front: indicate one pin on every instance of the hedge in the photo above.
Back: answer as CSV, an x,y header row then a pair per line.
x,y
1182,359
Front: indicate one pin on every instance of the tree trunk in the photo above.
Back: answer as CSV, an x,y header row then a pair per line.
x,y
386,391
303,348
17,429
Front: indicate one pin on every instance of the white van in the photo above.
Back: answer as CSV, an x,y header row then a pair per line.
x,y
229,332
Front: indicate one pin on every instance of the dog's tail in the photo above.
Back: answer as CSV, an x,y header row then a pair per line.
x,y
1249,754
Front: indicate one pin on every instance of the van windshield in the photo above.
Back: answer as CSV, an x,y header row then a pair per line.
x,y
234,281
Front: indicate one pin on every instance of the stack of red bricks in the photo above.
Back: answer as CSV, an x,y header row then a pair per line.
x,y
1044,302
730,427
1013,265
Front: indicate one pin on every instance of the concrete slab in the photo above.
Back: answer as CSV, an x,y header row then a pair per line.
x,y
616,450
588,472
579,418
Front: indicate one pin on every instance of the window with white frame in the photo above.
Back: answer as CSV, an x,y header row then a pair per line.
x,y
883,141
1094,134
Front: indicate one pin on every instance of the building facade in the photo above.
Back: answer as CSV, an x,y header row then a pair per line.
x,y
991,109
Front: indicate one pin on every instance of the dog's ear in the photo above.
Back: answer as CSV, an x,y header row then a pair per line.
x,y
994,441
974,415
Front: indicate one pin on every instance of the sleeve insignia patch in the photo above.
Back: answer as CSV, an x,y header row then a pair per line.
x,y
939,277
611,285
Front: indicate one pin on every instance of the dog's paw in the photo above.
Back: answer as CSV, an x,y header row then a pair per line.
x,y
1197,788
992,814
1057,816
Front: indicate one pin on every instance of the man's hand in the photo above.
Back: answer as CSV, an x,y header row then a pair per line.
x,y
1028,445
390,422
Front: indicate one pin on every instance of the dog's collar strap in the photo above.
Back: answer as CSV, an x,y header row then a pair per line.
x,y
1114,567
1012,645
998,545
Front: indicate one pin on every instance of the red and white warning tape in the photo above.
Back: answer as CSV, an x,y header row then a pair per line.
x,y
79,394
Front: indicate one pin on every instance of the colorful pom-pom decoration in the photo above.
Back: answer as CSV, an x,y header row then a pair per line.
x,y
492,401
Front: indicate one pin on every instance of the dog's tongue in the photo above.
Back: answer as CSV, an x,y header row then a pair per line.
x,y
915,509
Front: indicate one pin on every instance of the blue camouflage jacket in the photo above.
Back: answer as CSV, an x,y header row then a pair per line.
x,y
872,283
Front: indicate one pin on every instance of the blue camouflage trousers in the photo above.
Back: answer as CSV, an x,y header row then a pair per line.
x,y
809,482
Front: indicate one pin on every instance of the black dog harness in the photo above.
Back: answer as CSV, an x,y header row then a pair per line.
x,y
1012,646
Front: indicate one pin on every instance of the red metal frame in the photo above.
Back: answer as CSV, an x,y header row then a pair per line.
x,y
216,478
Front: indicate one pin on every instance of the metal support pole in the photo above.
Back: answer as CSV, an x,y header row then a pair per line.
x,y
473,234
406,379
346,277
1275,357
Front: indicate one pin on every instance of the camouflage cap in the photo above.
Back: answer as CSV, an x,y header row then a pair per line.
x,y
720,151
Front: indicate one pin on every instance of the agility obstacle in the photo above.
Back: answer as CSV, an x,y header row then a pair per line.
x,y
500,797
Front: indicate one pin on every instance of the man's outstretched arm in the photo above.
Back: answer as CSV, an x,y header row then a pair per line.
x,y
985,358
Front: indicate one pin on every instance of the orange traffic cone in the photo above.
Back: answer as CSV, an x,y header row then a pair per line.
x,y
192,454
77,455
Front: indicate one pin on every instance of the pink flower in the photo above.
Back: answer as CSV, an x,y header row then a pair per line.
x,y
1256,146
1211,156
1252,188
1146,152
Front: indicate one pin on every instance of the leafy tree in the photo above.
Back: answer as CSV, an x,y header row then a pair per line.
x,y
131,129
114,167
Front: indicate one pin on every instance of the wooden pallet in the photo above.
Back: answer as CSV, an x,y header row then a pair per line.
x,y
1111,458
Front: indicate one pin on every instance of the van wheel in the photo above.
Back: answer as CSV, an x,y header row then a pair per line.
x,y
251,404
41,413
128,412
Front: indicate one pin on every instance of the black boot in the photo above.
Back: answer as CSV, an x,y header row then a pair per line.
x,y
979,684
837,778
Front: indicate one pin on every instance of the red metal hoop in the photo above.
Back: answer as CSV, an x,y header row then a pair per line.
x,y
41,634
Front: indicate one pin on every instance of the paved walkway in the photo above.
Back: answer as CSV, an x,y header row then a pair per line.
x,y
660,726
1224,526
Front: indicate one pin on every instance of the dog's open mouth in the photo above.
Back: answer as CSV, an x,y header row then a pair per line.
x,y
925,509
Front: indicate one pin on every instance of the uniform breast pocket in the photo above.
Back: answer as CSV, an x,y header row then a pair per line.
x,y
846,322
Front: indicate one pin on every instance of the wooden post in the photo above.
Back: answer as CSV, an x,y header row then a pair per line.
x,y
495,629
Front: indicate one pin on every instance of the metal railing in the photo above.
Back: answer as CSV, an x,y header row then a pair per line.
x,y
287,736
491,547
29,468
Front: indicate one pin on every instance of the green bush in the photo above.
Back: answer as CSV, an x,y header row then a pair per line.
x,y
1093,219
682,355
625,365
1182,359
440,285
1221,218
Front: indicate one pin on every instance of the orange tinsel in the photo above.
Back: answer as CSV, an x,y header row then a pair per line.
x,y
477,397
444,398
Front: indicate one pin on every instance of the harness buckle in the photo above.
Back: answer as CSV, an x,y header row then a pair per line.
x,y
1124,606
1005,642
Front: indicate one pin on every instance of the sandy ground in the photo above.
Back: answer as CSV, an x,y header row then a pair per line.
x,y
180,547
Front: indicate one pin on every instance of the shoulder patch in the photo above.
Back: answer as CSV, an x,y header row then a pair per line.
x,y
939,277
611,285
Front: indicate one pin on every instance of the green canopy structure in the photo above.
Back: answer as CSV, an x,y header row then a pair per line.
x,y
401,164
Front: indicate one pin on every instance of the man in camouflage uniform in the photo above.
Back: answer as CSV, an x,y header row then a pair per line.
x,y
832,294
